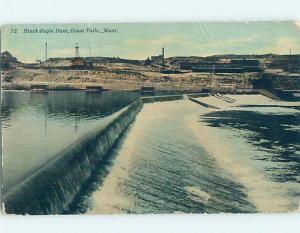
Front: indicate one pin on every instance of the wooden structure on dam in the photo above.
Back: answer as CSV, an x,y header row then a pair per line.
x,y
39,88
94,88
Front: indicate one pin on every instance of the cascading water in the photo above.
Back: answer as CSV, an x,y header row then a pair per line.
x,y
52,188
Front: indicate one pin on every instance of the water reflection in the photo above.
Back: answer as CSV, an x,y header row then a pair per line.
x,y
65,104
37,126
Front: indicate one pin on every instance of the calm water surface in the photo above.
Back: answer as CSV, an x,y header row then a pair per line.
x,y
37,126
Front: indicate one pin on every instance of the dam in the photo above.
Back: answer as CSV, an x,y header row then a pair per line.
x,y
44,135
164,154
205,160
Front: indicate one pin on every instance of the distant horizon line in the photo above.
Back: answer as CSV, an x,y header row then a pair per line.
x,y
185,56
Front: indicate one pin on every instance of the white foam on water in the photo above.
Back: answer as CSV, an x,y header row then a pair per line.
x,y
230,151
198,195
234,154
111,198
295,128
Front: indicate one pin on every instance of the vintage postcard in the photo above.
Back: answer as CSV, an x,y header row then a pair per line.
x,y
150,118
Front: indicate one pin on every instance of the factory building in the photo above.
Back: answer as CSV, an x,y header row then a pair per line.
x,y
80,63
231,66
248,65
159,59
286,62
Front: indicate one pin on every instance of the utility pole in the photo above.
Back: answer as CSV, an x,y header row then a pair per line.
x,y
46,51
289,61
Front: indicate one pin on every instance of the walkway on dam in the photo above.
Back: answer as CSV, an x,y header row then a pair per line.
x,y
229,101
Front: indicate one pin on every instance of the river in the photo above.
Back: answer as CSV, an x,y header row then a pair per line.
x,y
176,157
37,126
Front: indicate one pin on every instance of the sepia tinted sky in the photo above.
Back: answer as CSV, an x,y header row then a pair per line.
x,y
138,41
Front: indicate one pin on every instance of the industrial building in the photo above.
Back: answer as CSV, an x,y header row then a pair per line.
x,y
159,59
233,66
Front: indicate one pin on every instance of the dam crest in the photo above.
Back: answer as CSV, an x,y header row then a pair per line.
x,y
52,188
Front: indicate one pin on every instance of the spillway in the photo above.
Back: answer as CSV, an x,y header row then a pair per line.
x,y
51,188
180,156
160,167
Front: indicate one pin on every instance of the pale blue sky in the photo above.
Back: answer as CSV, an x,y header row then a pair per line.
x,y
138,41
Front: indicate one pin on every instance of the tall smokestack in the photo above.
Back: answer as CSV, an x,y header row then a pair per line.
x,y
163,52
46,51
77,50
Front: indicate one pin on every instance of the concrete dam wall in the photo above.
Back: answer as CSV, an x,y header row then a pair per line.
x,y
52,188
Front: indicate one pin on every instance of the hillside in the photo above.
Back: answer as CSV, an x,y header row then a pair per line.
x,y
7,60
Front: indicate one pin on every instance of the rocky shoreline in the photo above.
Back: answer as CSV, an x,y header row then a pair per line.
x,y
129,80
